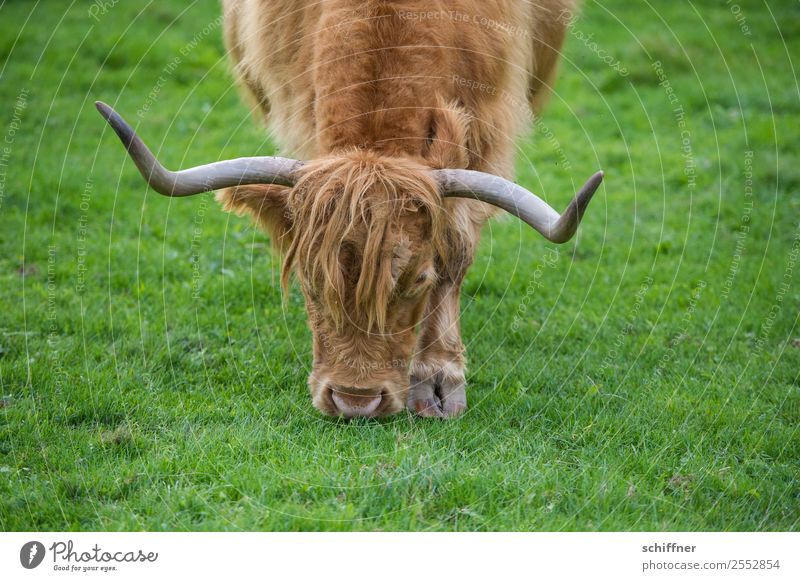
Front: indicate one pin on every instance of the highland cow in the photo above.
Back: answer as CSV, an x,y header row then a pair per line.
x,y
405,115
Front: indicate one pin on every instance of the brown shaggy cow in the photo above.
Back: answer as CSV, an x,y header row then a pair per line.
x,y
390,102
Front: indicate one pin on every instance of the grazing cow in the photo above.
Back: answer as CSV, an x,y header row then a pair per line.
x,y
405,113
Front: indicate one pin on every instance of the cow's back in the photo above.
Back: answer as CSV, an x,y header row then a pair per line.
x,y
370,74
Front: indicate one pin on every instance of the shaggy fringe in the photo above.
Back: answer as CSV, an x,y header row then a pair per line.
x,y
350,202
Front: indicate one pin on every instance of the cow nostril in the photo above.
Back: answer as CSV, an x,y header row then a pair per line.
x,y
355,404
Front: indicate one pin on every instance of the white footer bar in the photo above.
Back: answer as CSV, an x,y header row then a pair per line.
x,y
401,556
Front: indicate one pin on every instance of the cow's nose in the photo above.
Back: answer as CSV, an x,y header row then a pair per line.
x,y
352,402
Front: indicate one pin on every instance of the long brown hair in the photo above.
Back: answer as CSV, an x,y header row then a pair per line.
x,y
344,210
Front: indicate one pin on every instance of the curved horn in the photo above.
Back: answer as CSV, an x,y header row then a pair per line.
x,y
203,178
516,200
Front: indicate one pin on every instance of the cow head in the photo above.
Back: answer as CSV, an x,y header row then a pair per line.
x,y
363,233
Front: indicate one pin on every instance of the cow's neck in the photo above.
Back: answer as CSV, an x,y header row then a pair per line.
x,y
377,79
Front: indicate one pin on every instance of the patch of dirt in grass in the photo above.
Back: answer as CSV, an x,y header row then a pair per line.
x,y
681,483
27,270
119,436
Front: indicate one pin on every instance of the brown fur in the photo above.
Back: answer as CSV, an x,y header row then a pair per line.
x,y
375,93
355,209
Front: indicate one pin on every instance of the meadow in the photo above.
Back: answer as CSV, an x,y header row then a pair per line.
x,y
644,376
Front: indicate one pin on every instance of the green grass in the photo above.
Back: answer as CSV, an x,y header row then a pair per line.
x,y
151,377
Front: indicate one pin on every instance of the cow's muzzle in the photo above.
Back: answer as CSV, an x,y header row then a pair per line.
x,y
353,403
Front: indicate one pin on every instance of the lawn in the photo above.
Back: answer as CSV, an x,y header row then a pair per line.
x,y
645,376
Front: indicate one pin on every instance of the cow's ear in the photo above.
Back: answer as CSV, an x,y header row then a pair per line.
x,y
267,204
447,144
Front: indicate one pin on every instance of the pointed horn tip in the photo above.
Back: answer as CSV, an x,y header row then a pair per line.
x,y
590,187
105,110
124,131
